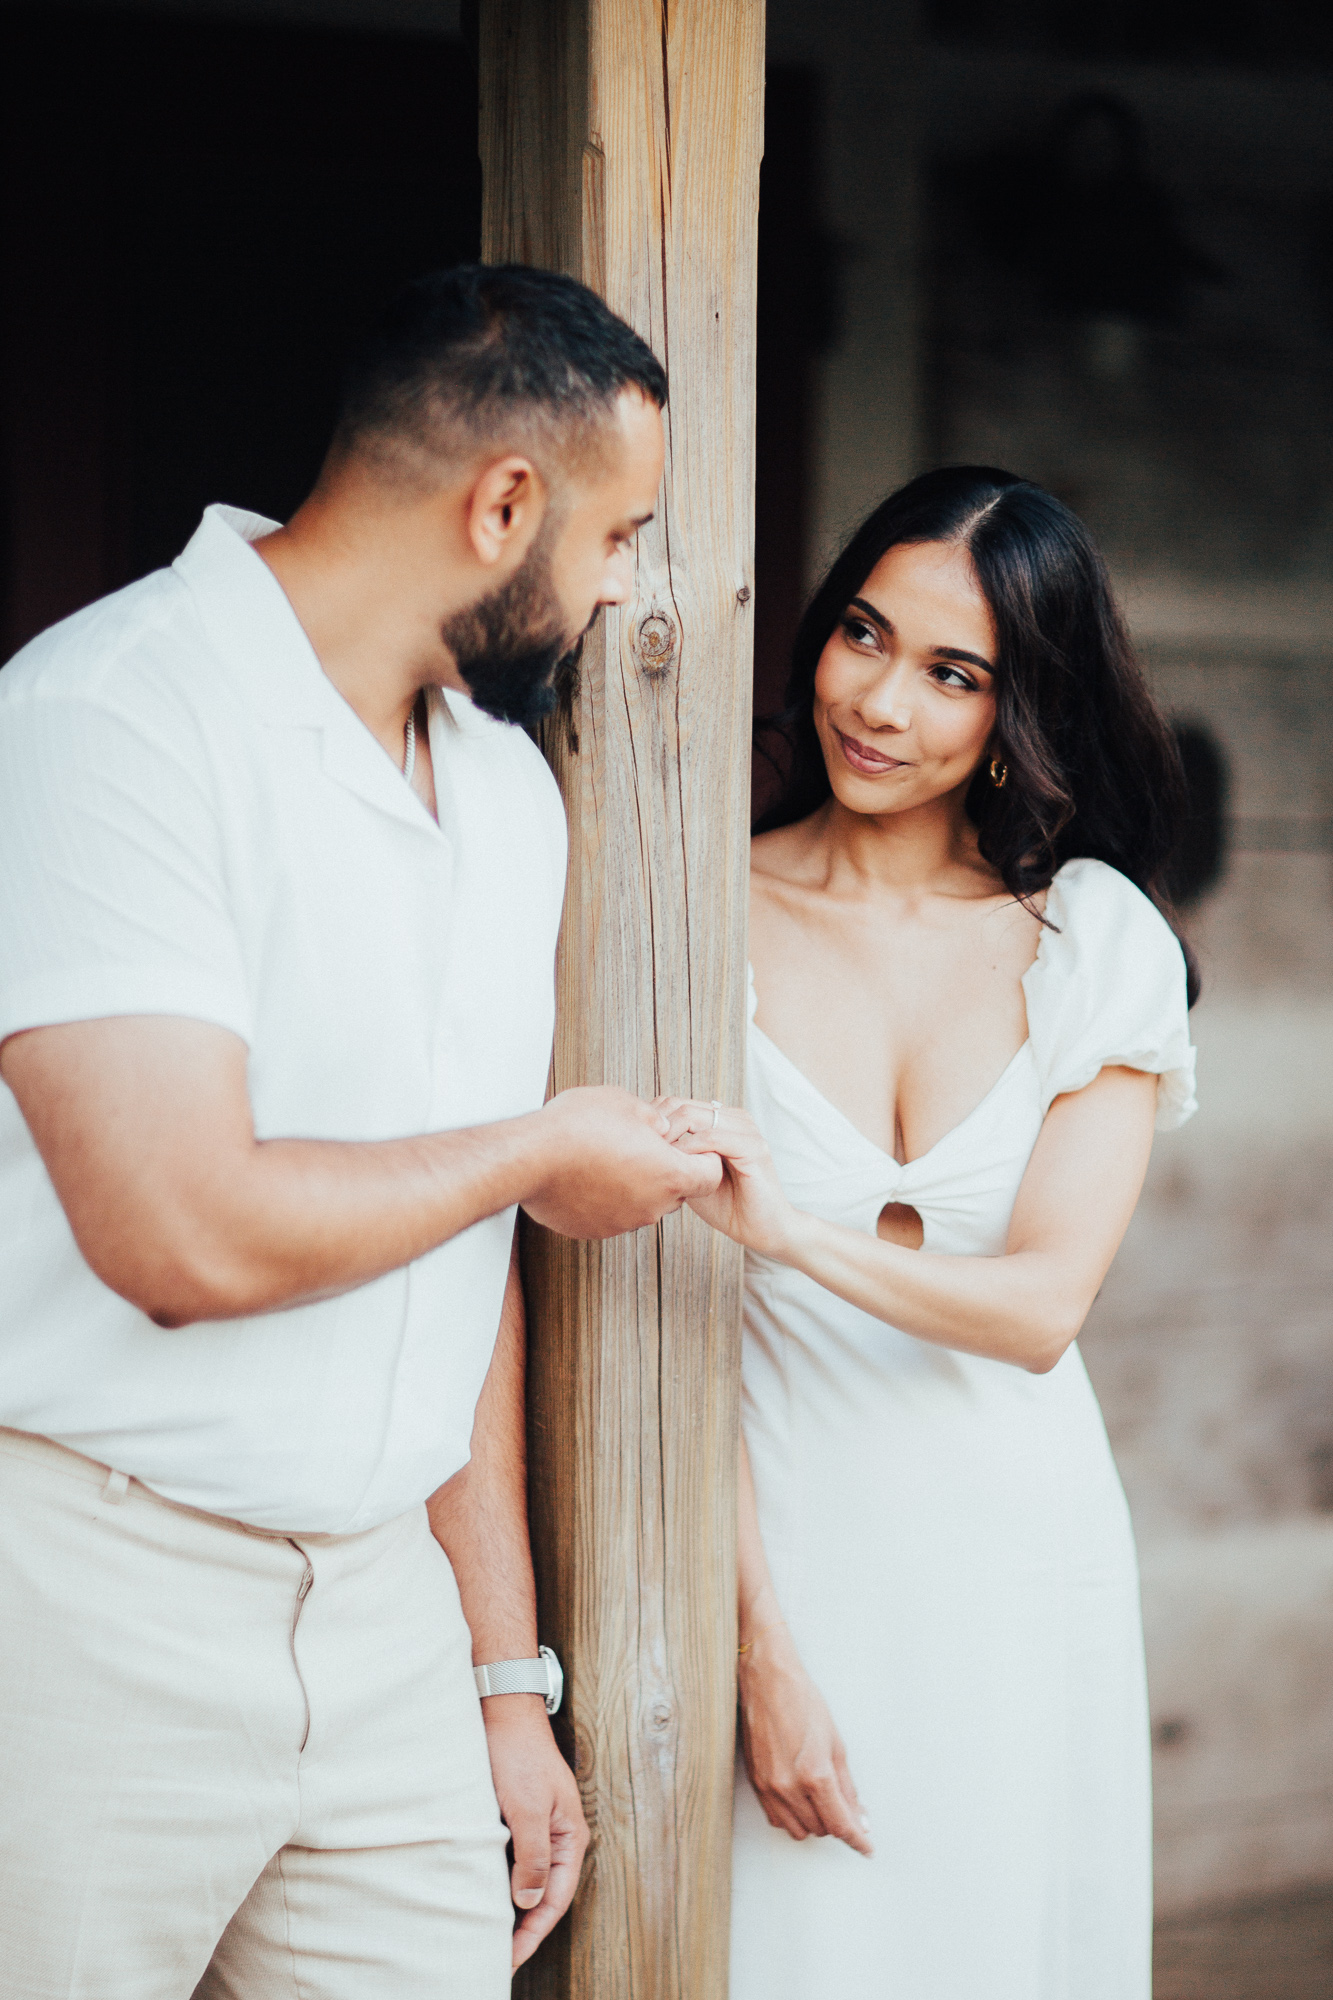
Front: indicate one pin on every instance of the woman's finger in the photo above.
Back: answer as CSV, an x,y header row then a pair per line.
x,y
777,1814
733,1134
798,1815
849,1793
703,1119
699,1118
677,1112
805,1796
835,1817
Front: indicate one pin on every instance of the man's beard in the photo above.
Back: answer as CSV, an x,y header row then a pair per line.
x,y
511,646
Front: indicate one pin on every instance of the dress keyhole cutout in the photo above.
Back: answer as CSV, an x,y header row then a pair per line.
x,y
900,1223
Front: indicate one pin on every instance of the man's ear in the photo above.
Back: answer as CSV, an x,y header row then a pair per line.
x,y
504,509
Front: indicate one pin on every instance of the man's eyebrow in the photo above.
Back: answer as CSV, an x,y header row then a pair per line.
x,y
641,520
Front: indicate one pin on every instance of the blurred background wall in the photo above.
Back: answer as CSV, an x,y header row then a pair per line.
x,y
1095,246
1092,245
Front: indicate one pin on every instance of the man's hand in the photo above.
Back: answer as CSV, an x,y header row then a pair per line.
x,y
145,1127
748,1205
539,1803
611,1166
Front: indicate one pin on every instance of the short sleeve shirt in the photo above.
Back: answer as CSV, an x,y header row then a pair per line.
x,y
194,822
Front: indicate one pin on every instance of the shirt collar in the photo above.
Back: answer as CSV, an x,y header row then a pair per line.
x,y
250,626
248,619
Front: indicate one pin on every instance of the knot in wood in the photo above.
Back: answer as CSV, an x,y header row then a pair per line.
x,y
660,1714
655,642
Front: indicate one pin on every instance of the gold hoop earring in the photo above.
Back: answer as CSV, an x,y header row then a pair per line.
x,y
998,773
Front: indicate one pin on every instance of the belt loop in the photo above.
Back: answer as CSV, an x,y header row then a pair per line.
x,y
117,1486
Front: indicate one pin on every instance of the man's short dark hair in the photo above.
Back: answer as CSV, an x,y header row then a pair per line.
x,y
499,355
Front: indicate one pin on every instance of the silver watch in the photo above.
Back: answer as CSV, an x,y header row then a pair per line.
x,y
543,1676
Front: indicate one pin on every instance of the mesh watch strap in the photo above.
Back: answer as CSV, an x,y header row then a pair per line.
x,y
541,1676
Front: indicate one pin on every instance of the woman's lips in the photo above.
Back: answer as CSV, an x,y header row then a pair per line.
x,y
862,758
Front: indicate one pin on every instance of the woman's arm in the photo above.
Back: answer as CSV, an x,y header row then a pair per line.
x,y
1024,1306
793,1753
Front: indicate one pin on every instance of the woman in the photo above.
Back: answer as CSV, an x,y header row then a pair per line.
x,y
967,1014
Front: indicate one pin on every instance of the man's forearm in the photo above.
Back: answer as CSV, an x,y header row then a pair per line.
x,y
145,1127
480,1517
309,1219
316,1218
144,1124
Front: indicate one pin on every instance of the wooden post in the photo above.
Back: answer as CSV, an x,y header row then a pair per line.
x,y
620,141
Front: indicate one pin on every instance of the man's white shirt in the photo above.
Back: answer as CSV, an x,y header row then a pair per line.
x,y
193,822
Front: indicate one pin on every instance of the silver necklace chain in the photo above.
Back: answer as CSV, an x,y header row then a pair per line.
x,y
410,745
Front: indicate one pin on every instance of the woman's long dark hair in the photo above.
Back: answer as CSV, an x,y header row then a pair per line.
x,y
1092,766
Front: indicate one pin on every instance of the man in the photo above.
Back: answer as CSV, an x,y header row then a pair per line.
x,y
279,889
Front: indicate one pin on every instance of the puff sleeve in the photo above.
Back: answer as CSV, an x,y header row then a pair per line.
x,y
1107,988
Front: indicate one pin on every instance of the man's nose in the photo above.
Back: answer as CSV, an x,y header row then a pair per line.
x,y
618,582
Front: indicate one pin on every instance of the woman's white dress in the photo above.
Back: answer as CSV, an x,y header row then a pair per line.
x,y
951,1548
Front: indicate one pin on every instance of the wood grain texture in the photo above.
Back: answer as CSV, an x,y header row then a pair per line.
x,y
621,142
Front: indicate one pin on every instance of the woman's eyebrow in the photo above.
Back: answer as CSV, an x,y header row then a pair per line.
x,y
876,617
957,653
936,652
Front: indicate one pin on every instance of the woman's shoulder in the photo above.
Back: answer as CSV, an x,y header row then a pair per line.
x,y
1108,987
785,874
778,856
1100,912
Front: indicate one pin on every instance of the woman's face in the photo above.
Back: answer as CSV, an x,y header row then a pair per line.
x,y
905,688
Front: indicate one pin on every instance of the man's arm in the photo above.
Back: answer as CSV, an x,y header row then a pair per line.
x,y
145,1126
480,1519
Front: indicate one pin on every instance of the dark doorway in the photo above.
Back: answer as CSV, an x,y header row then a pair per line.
x,y
796,318
798,314
196,216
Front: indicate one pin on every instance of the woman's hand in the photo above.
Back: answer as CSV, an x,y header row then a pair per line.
x,y
793,1753
749,1206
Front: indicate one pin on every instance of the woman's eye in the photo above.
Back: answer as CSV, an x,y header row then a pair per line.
x,y
954,677
859,631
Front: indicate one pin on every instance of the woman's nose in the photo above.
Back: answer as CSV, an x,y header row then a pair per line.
x,y
886,703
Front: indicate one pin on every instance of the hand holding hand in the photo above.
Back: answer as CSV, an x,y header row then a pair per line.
x,y
539,1803
748,1205
793,1753
611,1166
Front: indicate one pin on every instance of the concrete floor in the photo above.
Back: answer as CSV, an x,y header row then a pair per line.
x,y
1279,1948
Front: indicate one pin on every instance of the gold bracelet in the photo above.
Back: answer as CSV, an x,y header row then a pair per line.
x,y
742,1650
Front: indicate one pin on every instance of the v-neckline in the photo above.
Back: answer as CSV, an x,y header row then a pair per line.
x,y
899,1166
905,1166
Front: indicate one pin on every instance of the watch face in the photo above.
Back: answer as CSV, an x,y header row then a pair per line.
x,y
555,1676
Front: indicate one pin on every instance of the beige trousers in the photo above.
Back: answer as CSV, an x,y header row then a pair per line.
x,y
234,1764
